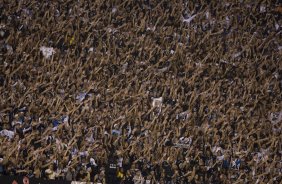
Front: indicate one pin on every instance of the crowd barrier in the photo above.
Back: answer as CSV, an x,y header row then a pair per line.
x,y
26,180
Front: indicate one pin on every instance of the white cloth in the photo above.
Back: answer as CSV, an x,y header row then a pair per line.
x,y
47,51
120,160
220,158
83,153
7,133
92,161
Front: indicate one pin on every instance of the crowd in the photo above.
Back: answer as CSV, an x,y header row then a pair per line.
x,y
122,91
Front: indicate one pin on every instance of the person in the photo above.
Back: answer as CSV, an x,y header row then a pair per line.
x,y
1,166
81,176
69,175
111,170
50,173
94,169
120,175
129,177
